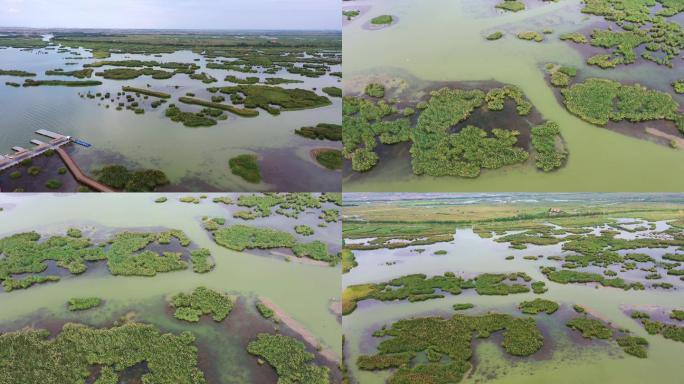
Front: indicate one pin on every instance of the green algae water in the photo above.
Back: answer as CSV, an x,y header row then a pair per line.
x,y
303,291
194,159
565,357
438,41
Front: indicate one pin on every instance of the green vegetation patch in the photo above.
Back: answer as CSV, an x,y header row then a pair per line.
x,y
79,74
290,359
33,356
61,83
83,303
382,20
633,345
438,152
348,260
224,107
463,306
495,35
240,237
74,232
267,97
322,131
575,37
131,73
511,5
451,338
668,331
315,250
350,14
264,310
189,119
202,301
202,261
246,166
125,255
418,287
538,305
17,73
332,91
238,80
678,86
329,158
304,230
120,177
599,101
531,35
147,92
549,150
375,90
636,26
590,328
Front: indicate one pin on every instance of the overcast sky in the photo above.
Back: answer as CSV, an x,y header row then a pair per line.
x,y
179,14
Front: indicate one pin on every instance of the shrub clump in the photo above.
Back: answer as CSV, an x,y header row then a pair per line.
x,y
495,35
531,35
202,301
375,90
575,37
599,101
382,20
120,177
329,158
538,305
246,167
333,91
549,150
290,359
201,260
83,303
590,328
322,131
304,230
511,5
451,337
78,350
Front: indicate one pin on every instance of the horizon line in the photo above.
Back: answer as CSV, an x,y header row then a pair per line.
x,y
178,29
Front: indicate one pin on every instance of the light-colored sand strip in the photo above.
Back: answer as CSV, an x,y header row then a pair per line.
x,y
293,324
676,139
301,260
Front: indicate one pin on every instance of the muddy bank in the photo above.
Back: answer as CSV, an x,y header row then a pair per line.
x,y
296,327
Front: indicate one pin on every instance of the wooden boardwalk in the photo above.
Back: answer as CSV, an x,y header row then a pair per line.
x,y
79,175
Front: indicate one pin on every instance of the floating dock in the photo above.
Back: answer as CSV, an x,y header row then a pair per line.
x,y
50,134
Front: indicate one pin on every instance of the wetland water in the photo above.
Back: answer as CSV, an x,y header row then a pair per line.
x,y
565,357
439,41
194,159
222,345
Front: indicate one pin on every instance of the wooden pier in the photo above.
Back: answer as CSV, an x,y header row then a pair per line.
x,y
79,175
56,142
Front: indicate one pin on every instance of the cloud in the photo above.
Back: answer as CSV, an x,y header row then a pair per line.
x,y
13,10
